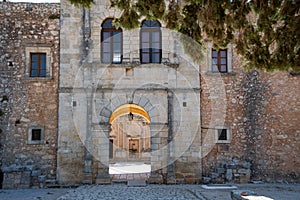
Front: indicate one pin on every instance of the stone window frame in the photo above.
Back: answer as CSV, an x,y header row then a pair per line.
x,y
228,134
41,141
38,49
229,59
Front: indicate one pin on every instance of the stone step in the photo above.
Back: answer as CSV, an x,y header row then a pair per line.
x,y
134,176
136,183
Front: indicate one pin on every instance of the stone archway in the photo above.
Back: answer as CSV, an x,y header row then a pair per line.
x,y
129,147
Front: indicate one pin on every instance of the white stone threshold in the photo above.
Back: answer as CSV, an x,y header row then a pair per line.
x,y
213,187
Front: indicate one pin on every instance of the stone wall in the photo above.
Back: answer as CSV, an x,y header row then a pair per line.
x,y
90,91
26,101
261,110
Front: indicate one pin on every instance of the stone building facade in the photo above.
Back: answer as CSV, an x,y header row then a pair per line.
x,y
28,100
191,124
95,92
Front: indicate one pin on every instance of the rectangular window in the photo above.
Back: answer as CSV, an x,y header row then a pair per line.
x,y
150,42
111,148
38,62
38,65
219,60
36,135
111,42
222,134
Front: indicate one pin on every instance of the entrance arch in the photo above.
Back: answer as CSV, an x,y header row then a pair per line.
x,y
129,141
127,109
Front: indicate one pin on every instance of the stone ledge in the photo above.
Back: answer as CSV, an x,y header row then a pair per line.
x,y
209,73
17,168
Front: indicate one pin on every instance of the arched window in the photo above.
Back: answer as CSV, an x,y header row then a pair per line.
x,y
111,43
150,43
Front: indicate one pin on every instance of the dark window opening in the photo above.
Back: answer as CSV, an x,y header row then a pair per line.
x,y
222,134
111,148
219,60
36,134
111,43
151,42
38,64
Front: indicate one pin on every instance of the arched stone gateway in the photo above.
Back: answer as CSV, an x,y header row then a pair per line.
x,y
146,113
129,143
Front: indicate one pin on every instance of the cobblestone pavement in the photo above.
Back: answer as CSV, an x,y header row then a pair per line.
x,y
154,192
123,192
32,194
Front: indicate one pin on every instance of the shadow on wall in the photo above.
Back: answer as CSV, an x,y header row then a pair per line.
x,y
1,179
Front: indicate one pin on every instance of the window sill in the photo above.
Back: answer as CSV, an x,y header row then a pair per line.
x,y
220,74
35,142
28,78
223,141
135,64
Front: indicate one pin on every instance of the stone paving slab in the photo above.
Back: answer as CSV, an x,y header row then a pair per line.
x,y
136,183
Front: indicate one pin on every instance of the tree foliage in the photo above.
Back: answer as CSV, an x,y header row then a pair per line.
x,y
265,33
83,3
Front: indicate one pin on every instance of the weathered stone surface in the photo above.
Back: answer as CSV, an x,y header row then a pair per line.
x,y
136,183
25,101
260,110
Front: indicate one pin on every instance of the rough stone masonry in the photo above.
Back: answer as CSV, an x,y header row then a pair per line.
x,y
28,102
204,126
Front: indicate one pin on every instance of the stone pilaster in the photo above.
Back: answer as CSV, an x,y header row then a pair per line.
x,y
171,171
159,153
102,153
88,158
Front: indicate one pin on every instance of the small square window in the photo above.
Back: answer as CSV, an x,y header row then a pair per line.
x,y
36,135
222,134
